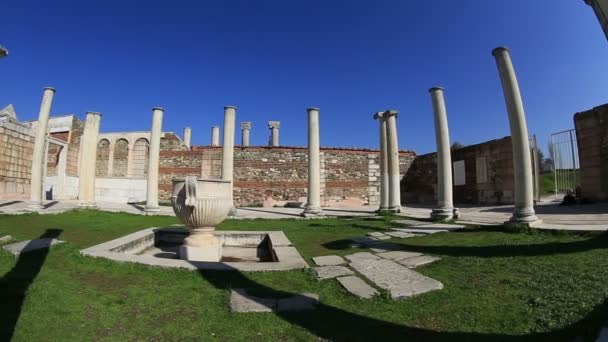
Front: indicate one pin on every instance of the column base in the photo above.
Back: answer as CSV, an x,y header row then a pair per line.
x,y
442,214
313,212
523,218
87,205
151,209
383,211
394,210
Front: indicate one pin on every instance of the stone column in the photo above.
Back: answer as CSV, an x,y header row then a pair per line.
x,y
313,205
38,162
392,151
245,129
153,160
228,149
274,132
187,136
215,136
88,157
383,160
445,204
523,214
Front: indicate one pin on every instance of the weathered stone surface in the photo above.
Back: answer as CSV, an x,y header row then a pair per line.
x,y
418,261
240,301
361,256
329,260
304,301
357,287
30,245
386,247
378,235
401,235
328,272
400,281
6,238
397,255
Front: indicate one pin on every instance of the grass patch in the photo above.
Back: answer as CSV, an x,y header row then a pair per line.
x,y
498,285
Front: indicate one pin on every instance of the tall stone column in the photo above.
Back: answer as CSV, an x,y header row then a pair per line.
x,y
153,160
392,148
445,204
245,129
187,136
523,214
38,162
384,179
215,136
274,132
88,158
313,205
228,150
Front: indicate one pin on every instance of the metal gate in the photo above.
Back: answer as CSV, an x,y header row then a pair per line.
x,y
566,168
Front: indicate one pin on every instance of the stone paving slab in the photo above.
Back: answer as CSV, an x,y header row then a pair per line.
x,y
30,245
386,247
421,231
401,235
329,272
378,235
409,222
6,238
418,261
357,287
361,256
400,281
329,260
398,255
240,301
443,226
366,240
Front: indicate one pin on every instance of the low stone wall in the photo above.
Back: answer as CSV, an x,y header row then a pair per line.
x,y
592,140
483,174
16,148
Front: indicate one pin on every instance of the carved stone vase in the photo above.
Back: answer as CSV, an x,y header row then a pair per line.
x,y
201,204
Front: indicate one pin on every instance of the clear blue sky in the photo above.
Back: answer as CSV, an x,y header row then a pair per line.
x,y
273,59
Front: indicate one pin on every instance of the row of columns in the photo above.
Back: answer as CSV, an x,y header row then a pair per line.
x,y
273,140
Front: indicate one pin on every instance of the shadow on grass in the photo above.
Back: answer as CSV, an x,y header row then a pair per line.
x,y
15,284
335,324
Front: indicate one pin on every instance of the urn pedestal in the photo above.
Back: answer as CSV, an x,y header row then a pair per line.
x,y
201,204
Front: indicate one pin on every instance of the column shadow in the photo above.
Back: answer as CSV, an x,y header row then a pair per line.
x,y
15,284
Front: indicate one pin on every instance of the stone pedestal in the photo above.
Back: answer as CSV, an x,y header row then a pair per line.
x,y
153,160
274,132
187,136
38,162
245,129
445,205
215,136
524,214
383,160
88,158
201,245
392,143
313,203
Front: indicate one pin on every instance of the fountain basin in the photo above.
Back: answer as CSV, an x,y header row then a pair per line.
x,y
241,250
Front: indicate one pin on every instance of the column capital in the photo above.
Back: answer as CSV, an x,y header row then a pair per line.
x,y
49,88
94,113
274,124
229,107
435,89
378,115
246,125
500,50
312,108
388,113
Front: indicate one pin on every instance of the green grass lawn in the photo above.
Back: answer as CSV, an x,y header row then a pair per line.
x,y
499,285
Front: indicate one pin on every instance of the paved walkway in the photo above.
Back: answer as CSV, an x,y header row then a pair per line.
x,y
589,217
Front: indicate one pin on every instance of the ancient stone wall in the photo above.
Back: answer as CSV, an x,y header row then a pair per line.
x,y
16,148
592,139
485,178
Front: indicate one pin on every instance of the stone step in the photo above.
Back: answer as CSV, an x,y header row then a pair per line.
x,y
398,280
357,287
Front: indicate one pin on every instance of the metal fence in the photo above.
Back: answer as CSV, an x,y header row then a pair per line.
x,y
566,167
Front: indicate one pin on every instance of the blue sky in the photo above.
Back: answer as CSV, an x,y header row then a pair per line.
x,y
273,59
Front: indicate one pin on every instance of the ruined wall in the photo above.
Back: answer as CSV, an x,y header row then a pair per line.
x,y
592,139
274,175
488,175
16,148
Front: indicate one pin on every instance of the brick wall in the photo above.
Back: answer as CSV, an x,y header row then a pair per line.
x,y
16,148
420,183
592,139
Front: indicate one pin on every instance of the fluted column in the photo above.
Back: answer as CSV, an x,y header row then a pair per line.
x,y
187,136
38,162
215,136
88,157
245,129
153,160
524,214
392,143
383,160
274,132
445,204
313,204
228,149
